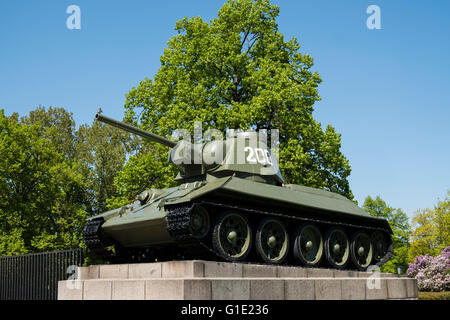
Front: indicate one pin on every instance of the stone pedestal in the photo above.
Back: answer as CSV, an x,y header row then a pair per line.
x,y
206,280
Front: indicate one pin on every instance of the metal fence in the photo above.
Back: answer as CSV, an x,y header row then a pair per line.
x,y
36,276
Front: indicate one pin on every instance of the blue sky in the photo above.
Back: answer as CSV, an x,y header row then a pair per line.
x,y
386,91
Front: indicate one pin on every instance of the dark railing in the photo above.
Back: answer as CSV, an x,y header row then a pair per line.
x,y
35,276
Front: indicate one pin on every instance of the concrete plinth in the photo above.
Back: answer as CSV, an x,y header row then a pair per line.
x,y
206,280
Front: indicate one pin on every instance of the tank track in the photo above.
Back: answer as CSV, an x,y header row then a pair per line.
x,y
178,226
95,241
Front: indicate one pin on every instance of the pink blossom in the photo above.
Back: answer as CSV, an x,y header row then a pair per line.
x,y
432,273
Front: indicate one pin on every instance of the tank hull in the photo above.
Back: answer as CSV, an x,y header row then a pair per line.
x,y
147,226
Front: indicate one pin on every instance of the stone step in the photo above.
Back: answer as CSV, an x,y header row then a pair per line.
x,y
211,269
207,280
232,288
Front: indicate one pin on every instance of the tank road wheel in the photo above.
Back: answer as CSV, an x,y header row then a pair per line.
x,y
199,222
308,245
337,248
361,251
272,241
232,237
380,245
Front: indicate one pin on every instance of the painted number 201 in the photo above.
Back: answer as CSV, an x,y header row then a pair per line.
x,y
258,155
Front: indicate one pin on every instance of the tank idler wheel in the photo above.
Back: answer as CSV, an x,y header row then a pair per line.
x,y
272,241
337,248
380,245
232,236
308,245
199,222
361,250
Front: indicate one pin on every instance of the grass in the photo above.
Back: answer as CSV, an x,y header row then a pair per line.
x,y
434,295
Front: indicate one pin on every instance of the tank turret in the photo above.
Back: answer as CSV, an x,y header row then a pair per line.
x,y
243,154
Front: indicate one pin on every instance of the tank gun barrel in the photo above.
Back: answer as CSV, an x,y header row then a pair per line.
x,y
142,133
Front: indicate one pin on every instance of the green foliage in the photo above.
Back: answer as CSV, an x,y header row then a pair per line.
x,y
398,221
102,151
40,191
142,171
239,72
58,126
98,151
52,177
431,230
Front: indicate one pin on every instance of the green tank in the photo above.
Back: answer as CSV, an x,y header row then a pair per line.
x,y
232,205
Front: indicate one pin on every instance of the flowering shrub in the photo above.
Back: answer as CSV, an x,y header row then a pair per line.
x,y
432,273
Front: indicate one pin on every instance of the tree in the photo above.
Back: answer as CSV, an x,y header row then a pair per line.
x,y
401,229
58,126
102,151
143,171
40,192
99,151
238,72
431,230
52,177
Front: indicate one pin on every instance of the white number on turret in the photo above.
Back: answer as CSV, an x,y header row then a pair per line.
x,y
258,155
